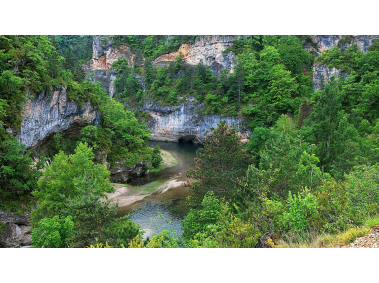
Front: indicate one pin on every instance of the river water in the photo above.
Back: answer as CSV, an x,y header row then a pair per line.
x,y
164,211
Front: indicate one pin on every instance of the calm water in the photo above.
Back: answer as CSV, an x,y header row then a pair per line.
x,y
164,211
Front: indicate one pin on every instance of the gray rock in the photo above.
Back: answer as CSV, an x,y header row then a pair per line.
x,y
122,174
106,77
50,113
98,48
209,49
183,122
17,231
322,73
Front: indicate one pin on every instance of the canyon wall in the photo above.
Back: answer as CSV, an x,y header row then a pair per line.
x,y
184,123
322,73
171,123
208,49
104,54
50,113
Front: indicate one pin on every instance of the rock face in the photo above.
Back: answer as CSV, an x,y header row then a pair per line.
x,y
50,113
208,49
122,174
325,42
322,73
106,77
104,54
184,123
16,233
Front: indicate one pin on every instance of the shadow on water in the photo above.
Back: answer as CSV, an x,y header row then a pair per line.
x,y
171,204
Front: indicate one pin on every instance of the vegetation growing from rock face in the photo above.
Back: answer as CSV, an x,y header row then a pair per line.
x,y
272,76
299,176
152,46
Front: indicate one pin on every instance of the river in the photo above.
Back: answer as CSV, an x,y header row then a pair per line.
x,y
164,211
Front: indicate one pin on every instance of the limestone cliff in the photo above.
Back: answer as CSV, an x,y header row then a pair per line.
x,y
325,42
50,113
104,54
322,73
106,77
183,122
208,49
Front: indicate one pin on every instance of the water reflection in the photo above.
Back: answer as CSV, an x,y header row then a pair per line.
x,y
171,204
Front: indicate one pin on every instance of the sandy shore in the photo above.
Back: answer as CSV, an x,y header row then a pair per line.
x,y
127,195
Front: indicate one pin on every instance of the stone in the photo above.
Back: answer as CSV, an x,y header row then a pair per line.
x,y
122,174
325,42
17,232
184,123
322,74
50,113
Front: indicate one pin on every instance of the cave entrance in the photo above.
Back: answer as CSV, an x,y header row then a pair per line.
x,y
187,138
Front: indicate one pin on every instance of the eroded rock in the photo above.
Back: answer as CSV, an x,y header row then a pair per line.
x,y
17,231
185,123
50,113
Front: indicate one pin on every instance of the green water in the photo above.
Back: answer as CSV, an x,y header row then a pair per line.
x,y
164,211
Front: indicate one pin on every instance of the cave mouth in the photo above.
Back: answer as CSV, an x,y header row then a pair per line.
x,y
187,139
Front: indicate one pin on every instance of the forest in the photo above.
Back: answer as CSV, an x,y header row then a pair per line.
x,y
307,177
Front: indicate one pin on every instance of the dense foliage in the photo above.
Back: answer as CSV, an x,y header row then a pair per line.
x,y
310,166
71,210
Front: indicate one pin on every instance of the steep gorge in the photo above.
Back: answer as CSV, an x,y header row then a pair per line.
x,y
47,113
172,123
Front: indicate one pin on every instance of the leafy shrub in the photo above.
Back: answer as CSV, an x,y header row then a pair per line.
x,y
300,210
198,219
53,232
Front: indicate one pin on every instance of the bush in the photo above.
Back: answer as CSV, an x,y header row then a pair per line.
x,y
156,158
53,232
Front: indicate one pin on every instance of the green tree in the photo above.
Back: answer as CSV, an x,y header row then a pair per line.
x,y
95,220
156,158
62,177
18,173
222,161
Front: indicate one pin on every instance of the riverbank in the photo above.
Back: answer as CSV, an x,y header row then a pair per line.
x,y
127,194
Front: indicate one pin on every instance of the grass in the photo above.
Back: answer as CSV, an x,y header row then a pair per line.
x,y
330,240
373,221
168,161
151,187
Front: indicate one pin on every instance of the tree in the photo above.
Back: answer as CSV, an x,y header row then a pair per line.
x,y
95,220
325,118
18,174
62,177
156,158
222,161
